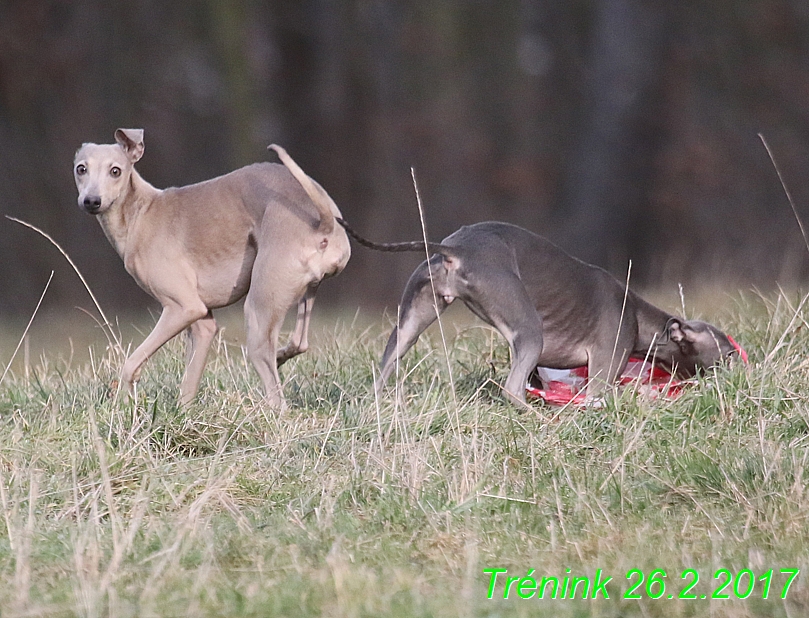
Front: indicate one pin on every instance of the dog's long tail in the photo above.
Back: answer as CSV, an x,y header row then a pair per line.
x,y
416,245
318,195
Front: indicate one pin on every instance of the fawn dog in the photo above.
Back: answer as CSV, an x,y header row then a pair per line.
x,y
265,231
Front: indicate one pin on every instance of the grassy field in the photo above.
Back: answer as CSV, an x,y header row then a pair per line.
x,y
343,505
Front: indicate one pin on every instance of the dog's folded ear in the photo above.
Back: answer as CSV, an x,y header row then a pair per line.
x,y
131,140
679,331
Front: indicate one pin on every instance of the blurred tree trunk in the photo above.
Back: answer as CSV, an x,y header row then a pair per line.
x,y
611,164
229,29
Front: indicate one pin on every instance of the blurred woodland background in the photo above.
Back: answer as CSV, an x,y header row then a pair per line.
x,y
621,129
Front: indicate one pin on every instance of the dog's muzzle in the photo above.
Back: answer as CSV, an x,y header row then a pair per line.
x,y
92,204
739,350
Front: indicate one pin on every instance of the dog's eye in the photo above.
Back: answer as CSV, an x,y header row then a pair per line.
x,y
115,172
81,169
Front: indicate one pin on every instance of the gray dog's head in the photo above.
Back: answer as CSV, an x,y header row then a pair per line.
x,y
102,171
692,346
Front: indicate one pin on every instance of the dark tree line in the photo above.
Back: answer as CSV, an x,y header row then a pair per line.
x,y
624,129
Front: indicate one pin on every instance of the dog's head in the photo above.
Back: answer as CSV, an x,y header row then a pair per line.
x,y
692,346
102,171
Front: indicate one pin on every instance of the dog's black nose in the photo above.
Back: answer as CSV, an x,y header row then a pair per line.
x,y
92,204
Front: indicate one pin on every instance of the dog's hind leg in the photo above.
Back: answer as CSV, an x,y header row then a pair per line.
x,y
200,336
507,306
418,311
263,328
299,340
276,287
526,348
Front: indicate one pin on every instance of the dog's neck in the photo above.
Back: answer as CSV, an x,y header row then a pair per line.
x,y
652,323
121,216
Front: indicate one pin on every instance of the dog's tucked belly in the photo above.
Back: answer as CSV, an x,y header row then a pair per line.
x,y
224,285
559,352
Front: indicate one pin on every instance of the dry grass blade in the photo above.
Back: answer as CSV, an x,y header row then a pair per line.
x,y
107,323
27,327
620,323
441,330
22,558
432,282
786,190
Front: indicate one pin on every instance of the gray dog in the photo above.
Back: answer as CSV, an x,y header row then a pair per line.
x,y
554,310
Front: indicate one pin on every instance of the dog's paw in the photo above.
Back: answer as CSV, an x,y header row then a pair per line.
x,y
112,388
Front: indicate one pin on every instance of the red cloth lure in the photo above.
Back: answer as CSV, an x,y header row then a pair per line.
x,y
568,386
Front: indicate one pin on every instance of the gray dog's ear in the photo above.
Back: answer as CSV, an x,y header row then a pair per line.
x,y
678,331
131,140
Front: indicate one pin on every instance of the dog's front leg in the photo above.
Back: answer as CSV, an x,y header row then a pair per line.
x,y
173,320
603,369
609,354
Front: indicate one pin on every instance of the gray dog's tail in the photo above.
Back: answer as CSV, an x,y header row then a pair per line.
x,y
315,192
416,245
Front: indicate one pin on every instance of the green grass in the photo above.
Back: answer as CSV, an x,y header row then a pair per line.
x,y
342,505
